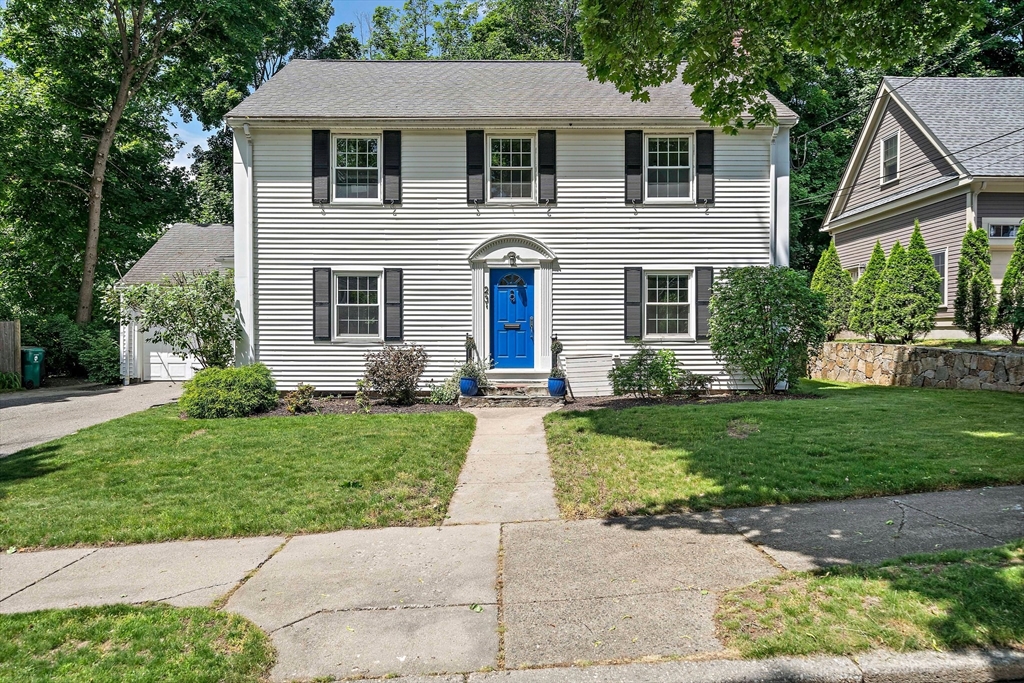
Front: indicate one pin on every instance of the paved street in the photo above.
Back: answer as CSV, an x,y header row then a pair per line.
x,y
29,418
495,594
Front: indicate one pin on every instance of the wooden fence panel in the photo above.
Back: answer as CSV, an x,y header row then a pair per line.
x,y
10,346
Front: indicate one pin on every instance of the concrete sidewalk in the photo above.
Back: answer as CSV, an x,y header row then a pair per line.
x,y
30,418
462,598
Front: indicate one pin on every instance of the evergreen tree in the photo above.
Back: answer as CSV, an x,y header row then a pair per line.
x,y
975,304
1010,316
835,283
862,319
907,297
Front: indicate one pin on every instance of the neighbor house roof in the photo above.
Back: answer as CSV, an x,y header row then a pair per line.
x,y
306,89
184,248
980,121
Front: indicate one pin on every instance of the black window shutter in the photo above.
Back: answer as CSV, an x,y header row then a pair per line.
x,y
392,304
634,300
321,166
705,277
634,166
705,166
546,166
322,304
475,166
392,167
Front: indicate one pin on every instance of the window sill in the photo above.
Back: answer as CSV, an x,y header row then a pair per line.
x,y
888,183
670,338
668,202
352,340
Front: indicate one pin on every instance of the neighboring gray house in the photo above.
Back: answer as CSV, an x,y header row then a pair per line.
x,y
419,202
184,248
945,151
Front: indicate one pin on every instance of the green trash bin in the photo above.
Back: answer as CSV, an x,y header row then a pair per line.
x,y
31,366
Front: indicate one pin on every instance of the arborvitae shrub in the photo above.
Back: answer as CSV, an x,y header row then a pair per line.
x,y
836,284
862,308
975,304
1010,315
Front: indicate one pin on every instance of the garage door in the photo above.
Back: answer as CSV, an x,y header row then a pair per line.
x,y
161,364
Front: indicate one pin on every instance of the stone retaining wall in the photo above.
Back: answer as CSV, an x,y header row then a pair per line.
x,y
920,366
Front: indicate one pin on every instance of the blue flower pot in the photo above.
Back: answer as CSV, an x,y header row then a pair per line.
x,y
556,386
468,386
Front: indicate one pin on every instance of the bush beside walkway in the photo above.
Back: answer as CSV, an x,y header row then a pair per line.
x,y
152,476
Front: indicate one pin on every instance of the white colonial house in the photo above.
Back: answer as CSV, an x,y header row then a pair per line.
x,y
421,202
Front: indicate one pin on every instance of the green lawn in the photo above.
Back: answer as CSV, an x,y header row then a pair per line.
x,y
138,644
857,441
944,601
152,476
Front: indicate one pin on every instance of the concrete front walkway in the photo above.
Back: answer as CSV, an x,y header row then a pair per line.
x,y
29,418
507,475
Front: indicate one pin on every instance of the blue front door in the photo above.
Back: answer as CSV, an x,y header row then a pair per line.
x,y
512,318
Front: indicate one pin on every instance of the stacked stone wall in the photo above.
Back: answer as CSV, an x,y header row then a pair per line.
x,y
920,366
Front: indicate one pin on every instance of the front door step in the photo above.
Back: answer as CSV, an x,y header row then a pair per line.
x,y
510,401
516,389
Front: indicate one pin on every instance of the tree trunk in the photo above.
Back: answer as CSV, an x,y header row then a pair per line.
x,y
99,170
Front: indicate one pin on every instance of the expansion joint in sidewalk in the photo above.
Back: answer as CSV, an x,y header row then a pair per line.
x,y
221,602
55,571
387,608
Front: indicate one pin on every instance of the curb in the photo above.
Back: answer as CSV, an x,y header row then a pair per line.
x,y
976,666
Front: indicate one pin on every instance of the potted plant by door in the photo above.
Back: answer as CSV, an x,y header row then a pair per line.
x,y
472,376
556,382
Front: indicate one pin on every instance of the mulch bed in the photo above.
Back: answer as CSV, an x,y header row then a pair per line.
x,y
624,402
331,405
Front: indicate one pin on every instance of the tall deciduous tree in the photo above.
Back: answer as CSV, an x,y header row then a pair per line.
x,y
122,52
862,308
1010,315
836,284
734,51
974,309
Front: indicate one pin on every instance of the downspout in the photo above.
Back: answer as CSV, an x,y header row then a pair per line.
x,y
773,194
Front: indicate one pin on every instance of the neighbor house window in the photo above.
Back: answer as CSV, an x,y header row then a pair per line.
x,y
510,166
357,306
890,158
667,304
668,167
856,272
939,259
1007,230
356,173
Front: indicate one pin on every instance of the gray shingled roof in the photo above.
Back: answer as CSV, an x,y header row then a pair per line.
x,y
979,120
184,248
445,90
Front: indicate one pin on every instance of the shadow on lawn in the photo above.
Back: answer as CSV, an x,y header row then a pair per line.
x,y
30,463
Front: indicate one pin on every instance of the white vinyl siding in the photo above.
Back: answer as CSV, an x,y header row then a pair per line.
x,y
431,235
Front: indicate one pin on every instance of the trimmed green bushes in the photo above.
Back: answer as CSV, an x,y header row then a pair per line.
x,y
229,392
975,304
862,308
908,296
836,284
764,322
1010,314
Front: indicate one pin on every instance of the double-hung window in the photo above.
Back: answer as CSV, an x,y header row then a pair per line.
x,y
891,158
669,166
356,168
357,305
939,260
510,169
667,305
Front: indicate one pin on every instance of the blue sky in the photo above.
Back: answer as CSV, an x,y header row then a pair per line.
x,y
345,11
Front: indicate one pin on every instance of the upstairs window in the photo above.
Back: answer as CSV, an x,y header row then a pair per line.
x,y
667,304
668,167
890,158
356,171
510,175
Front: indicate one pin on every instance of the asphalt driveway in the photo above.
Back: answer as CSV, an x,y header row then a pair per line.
x,y
29,418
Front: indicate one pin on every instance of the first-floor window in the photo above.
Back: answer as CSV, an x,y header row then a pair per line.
x,y
939,259
355,168
1003,230
667,304
357,306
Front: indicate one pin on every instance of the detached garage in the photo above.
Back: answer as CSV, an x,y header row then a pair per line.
x,y
184,248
